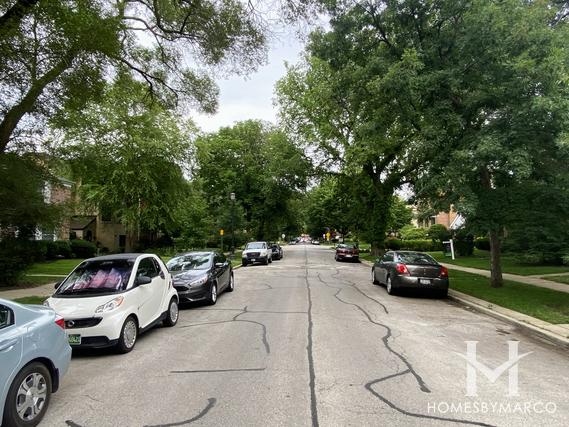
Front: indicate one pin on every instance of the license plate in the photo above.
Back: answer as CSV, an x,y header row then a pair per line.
x,y
424,281
252,260
348,256
74,339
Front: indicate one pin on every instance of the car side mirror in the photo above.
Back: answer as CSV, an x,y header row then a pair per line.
x,y
143,280
57,285
219,264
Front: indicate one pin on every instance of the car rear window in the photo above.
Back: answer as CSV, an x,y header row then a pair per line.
x,y
414,258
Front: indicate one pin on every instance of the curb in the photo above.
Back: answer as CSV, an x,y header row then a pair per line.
x,y
540,328
529,324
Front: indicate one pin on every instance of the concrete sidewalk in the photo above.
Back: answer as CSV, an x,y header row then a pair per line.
x,y
43,290
528,280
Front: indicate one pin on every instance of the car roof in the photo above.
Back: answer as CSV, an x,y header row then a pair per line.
x,y
125,256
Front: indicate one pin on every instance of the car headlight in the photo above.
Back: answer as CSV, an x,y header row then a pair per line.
x,y
199,281
110,306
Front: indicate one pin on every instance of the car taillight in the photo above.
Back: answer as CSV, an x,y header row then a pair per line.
x,y
60,321
444,272
401,268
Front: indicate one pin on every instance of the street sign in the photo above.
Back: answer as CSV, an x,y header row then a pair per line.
x,y
221,232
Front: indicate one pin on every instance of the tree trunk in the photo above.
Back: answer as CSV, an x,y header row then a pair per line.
x,y
14,115
496,280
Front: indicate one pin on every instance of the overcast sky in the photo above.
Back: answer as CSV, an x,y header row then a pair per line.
x,y
251,97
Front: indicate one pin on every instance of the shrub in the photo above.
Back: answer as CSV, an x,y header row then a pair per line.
x,y
463,242
15,257
421,245
438,233
482,243
83,248
393,244
410,232
565,259
59,249
530,258
413,245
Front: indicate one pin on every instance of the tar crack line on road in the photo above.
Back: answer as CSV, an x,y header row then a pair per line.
x,y
210,404
385,339
202,371
311,371
235,319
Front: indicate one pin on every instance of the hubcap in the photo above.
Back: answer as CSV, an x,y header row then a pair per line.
x,y
129,334
389,284
231,284
173,311
214,293
373,275
31,396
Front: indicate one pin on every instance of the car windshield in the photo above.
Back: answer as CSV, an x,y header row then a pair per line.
x,y
255,245
189,262
97,277
345,246
415,258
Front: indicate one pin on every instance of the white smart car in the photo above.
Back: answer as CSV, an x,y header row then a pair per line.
x,y
107,301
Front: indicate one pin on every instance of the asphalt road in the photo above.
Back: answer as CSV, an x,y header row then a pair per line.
x,y
308,341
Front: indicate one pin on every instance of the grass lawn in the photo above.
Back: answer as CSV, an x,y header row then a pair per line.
x,y
559,279
544,304
61,266
35,299
481,260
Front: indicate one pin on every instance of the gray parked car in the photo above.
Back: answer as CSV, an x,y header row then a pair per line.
x,y
410,270
34,356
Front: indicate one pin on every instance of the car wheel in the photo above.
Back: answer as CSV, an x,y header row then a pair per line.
x,y
212,299
28,396
172,314
231,285
442,293
270,260
373,278
128,336
336,258
266,261
244,263
389,286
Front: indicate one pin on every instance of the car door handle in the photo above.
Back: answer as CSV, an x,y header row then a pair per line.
x,y
7,345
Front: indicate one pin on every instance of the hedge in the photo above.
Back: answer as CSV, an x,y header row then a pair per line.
x,y
482,243
413,245
83,248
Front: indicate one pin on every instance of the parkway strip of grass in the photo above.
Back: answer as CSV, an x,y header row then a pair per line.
x,y
545,304
559,279
481,260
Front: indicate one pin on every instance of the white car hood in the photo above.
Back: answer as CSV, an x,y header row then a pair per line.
x,y
77,308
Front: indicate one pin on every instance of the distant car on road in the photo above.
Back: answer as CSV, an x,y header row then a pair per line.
x,y
256,252
201,276
410,270
107,301
277,251
316,242
347,252
34,356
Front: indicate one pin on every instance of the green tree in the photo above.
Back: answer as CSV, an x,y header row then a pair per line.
x,y
261,166
59,53
129,156
507,91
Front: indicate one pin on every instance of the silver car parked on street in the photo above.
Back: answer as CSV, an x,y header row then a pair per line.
x,y
34,356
